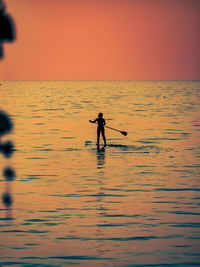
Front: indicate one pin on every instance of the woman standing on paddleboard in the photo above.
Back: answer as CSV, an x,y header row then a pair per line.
x,y
100,128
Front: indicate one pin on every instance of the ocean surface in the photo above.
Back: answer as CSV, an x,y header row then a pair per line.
x,y
134,203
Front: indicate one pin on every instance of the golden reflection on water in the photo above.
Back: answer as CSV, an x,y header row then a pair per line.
x,y
135,202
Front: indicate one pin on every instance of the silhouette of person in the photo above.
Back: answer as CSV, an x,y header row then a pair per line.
x,y
100,128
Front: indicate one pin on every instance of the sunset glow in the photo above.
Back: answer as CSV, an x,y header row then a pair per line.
x,y
103,40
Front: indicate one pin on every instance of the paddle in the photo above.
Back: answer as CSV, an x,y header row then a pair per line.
x,y
122,132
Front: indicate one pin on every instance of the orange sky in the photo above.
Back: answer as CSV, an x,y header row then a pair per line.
x,y
103,40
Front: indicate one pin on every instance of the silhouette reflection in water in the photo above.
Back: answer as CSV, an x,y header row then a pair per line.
x,y
100,157
100,206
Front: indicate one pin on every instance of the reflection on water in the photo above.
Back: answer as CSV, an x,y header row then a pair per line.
x,y
100,203
133,203
100,157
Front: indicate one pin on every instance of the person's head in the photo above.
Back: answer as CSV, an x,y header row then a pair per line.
x,y
100,115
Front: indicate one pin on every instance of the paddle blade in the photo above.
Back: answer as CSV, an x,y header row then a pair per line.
x,y
124,133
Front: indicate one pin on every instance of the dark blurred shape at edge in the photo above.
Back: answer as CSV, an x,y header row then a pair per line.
x,y
7,199
7,148
6,124
9,173
7,28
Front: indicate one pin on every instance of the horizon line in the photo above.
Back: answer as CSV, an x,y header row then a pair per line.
x,y
145,80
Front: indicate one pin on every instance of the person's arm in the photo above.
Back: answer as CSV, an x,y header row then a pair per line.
x,y
93,121
104,122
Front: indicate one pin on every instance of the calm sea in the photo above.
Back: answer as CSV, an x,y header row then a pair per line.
x,y
135,203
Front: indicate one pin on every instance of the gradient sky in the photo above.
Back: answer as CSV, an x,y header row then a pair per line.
x,y
103,40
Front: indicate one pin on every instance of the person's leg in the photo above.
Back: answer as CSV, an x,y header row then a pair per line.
x,y
98,135
103,135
